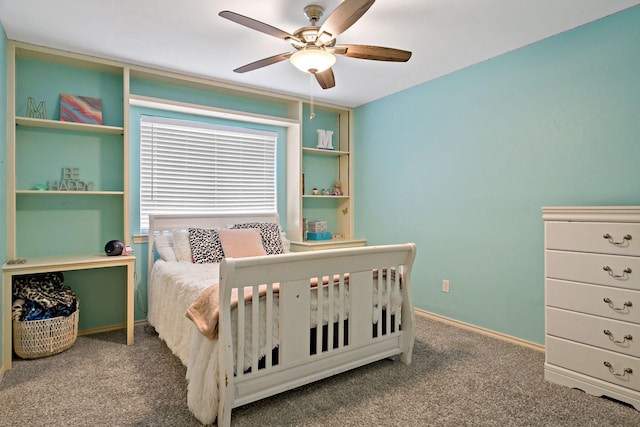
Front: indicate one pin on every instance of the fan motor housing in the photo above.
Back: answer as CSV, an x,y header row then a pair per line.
x,y
313,12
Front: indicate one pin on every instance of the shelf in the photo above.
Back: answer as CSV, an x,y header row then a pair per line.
x,y
318,245
324,151
68,262
311,196
72,126
85,193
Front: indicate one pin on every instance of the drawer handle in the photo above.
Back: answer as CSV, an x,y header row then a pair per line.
x,y
610,239
625,372
617,276
610,335
624,306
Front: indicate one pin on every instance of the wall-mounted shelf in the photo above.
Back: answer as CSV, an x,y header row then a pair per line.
x,y
324,152
72,126
70,193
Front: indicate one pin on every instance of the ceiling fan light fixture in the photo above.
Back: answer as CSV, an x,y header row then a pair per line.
x,y
312,59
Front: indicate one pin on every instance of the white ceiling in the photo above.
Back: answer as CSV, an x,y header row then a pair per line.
x,y
188,36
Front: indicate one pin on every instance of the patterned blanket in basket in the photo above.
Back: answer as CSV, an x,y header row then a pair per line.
x,y
42,296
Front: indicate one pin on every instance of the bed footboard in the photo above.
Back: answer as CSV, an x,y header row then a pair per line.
x,y
361,295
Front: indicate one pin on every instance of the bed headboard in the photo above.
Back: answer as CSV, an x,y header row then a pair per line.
x,y
166,223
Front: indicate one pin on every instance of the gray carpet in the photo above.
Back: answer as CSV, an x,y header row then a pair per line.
x,y
457,378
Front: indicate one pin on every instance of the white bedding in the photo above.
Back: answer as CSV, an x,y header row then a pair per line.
x,y
171,289
173,286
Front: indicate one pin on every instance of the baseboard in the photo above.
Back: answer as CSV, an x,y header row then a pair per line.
x,y
109,328
478,329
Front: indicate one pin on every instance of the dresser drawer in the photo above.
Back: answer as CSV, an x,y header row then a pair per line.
x,y
604,301
592,237
591,361
623,271
605,333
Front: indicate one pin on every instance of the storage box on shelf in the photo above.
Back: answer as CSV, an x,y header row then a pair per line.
x,y
592,299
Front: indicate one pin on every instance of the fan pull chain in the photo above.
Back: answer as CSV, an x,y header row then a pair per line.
x,y
312,114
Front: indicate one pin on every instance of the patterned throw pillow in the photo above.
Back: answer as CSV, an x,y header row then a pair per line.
x,y
270,234
205,246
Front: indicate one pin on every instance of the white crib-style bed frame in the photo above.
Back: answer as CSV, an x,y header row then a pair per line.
x,y
357,340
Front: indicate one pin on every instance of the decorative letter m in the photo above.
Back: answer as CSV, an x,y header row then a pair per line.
x,y
325,139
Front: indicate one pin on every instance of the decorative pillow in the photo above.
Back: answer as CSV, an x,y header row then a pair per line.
x,y
181,245
270,234
240,243
286,243
164,246
205,245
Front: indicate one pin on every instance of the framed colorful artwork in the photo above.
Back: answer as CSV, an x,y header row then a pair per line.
x,y
80,109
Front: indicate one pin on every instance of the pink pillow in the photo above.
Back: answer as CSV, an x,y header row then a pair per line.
x,y
241,243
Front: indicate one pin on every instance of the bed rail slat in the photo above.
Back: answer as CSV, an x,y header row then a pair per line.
x,y
388,293
330,314
240,337
319,291
380,303
255,327
397,283
361,302
341,313
268,328
294,321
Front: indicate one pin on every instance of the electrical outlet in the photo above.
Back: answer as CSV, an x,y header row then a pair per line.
x,y
445,285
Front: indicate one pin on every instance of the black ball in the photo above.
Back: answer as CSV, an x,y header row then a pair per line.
x,y
114,247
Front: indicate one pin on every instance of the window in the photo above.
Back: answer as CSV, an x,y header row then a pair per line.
x,y
193,167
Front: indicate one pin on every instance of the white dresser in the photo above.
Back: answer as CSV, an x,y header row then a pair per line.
x,y
592,299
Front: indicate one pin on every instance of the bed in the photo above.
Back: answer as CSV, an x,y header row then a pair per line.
x,y
251,326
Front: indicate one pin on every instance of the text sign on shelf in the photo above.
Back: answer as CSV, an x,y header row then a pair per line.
x,y
70,181
325,139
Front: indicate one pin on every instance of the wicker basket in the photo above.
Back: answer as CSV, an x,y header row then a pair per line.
x,y
40,338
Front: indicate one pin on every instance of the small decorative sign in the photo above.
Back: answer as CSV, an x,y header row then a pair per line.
x,y
70,181
325,138
36,112
80,109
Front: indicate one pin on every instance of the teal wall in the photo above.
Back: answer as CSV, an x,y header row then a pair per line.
x,y
466,162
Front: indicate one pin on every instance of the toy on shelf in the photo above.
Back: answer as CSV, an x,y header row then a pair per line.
x,y
337,189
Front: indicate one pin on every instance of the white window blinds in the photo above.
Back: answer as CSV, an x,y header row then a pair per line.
x,y
193,167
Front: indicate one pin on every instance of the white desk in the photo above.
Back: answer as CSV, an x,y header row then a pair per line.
x,y
60,263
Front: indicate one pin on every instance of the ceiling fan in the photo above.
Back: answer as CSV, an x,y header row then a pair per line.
x,y
316,46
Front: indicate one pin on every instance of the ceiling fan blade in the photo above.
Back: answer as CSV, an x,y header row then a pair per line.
x,y
342,18
376,53
256,25
263,62
326,78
